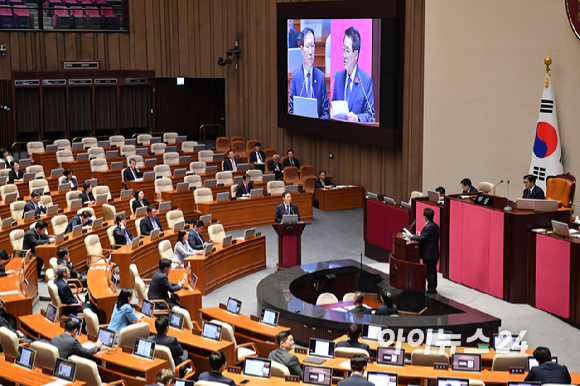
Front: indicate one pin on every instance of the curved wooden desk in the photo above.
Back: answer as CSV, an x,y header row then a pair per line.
x,y
116,364
25,377
340,198
101,295
38,327
17,304
188,299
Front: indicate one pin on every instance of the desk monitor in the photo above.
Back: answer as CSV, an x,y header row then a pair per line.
x,y
39,190
318,375
76,204
50,312
126,194
170,149
147,308
107,337
524,383
178,226
533,362
268,177
257,367
165,205
405,205
452,382
59,237
154,235
180,138
438,338
259,192
116,165
390,356
28,216
51,210
234,306
51,148
291,188
182,187
206,219
155,140
289,219
176,320
144,348
372,196
243,167
382,379
142,211
546,206
370,332
77,146
83,157
560,228
210,183
112,154
101,198
148,176
3,180
193,281
199,147
238,180
10,197
321,348
183,382
6,223
249,233
104,143
141,151
179,172
207,249
211,331
227,241
466,362
211,169
77,230
135,243
79,321
24,163
294,59
26,357
433,196
217,157
64,187
56,172
184,159
28,176
505,343
131,141
149,162
93,182
223,196
269,317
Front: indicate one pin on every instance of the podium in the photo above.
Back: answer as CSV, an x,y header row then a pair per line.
x,y
404,251
405,271
289,244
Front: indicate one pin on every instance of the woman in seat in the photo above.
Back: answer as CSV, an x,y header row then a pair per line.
x,y
140,200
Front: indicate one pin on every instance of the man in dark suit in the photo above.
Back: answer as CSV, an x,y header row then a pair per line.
x,y
354,85
68,344
231,162
15,173
87,194
387,308
357,301
3,260
160,285
274,165
531,190
63,258
245,187
257,157
122,234
429,249
308,81
35,204
165,377
37,236
358,365
5,157
161,338
322,181
282,354
291,161
466,186
66,296
354,333
150,222
547,371
286,207
292,38
70,179
83,219
132,172
195,237
217,362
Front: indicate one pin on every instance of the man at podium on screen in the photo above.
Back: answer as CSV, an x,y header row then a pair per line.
x,y
308,83
286,208
429,248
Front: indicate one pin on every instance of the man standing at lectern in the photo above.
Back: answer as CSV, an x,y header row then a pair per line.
x,y
285,208
429,249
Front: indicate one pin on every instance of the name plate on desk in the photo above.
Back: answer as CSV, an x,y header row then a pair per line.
x,y
9,358
484,200
516,370
47,371
234,369
223,306
128,350
292,378
254,318
91,337
440,366
196,332
299,350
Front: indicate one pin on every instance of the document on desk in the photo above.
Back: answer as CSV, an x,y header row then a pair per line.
x,y
88,345
58,382
6,293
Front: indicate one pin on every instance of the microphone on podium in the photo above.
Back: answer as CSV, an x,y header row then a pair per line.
x,y
495,186
368,103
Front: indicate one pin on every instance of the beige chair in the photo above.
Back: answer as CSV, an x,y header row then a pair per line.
x,y
117,140
46,354
59,223
165,250
503,362
141,295
278,370
187,323
421,358
144,139
92,322
38,169
187,146
248,349
326,298
94,249
111,237
99,165
202,195
63,144
131,205
34,147
233,189
479,382
17,209
38,184
9,342
109,212
90,142
171,158
55,299
127,151
97,152
99,190
416,194
349,352
205,156
64,156
255,175
194,181
5,172
16,239
216,233
72,195
134,272
88,372
170,137
208,383
197,167
49,275
138,226
275,187
88,209
157,148
138,160
162,171
486,187
53,262
172,217
7,189
46,200
128,334
162,184
225,178
163,352
348,297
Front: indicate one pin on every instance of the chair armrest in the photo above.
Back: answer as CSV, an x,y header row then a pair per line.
x,y
251,345
196,325
183,364
62,306
18,250
117,382
161,312
76,283
116,246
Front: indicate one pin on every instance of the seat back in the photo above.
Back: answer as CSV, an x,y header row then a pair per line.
x,y
503,362
187,323
9,342
144,139
163,352
53,292
163,184
197,167
98,165
64,156
59,223
162,171
256,175
194,181
269,152
227,331
414,194
216,233
348,297
94,248
187,146
138,226
16,238
172,217
46,200
171,158
46,354
291,175
33,184
138,160
238,138
222,144
99,190
88,209
349,352
202,195
128,334
165,250
561,188
225,178
239,148
90,142
63,144
306,171
87,371
49,275
117,140
486,187
250,145
72,195
35,147
92,321
53,262
140,292
17,209
205,156
422,358
127,151
38,169
479,382
326,298
278,370
233,190
6,189
275,187
96,152
157,148
109,212
170,137
309,184
134,272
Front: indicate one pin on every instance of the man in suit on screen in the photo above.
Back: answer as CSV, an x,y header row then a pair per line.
x,y
354,85
429,249
308,81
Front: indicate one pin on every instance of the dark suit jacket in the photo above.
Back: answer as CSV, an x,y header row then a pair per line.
x,y
3,271
537,193
119,235
549,372
76,220
12,175
31,207
160,286
384,310
216,377
241,189
359,104
128,176
66,297
195,240
471,190
361,310
73,273
272,167
32,239
299,88
177,352
137,204
281,211
147,225
254,157
428,242
296,162
74,181
355,380
67,346
318,183
282,356
292,39
84,197
354,344
228,163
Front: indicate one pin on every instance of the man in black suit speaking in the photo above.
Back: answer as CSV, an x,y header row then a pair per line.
x,y
429,249
177,352
547,371
150,222
531,190
286,207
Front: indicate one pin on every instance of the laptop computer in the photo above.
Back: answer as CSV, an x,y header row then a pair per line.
x,y
63,188
243,167
148,176
207,249
101,198
93,182
206,219
183,382
116,165
144,348
104,143
466,362
389,200
390,356
433,196
65,370
56,172
150,162
317,375
234,306
223,196
257,367
505,343
26,357
291,188
405,205
562,229
210,183
59,237
178,226
135,243
82,157
154,235
182,186
51,148
28,176
370,332
141,151
259,192
126,194
7,223
107,337
319,350
249,233
10,197
148,308
289,219
112,154
211,331
546,206
306,107
211,169
77,230
142,211
78,320
378,378
155,140
438,338
51,210
193,281
176,320
165,205
28,216
199,147
452,382
179,172
294,59
77,146
268,177
24,163
269,317
184,159
533,362
76,204
50,313
97,223
226,241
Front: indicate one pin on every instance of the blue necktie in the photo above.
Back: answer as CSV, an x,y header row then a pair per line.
x,y
127,237
348,82
309,87
288,209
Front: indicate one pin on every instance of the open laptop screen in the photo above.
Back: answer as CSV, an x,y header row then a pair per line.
x,y
64,369
321,348
390,356
107,337
269,317
371,332
466,362
317,375
211,331
26,357
144,348
382,379
257,367
234,306
452,382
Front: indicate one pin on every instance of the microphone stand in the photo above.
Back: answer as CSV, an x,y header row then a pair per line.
x,y
508,207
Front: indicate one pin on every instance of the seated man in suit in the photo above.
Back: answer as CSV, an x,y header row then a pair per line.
x,y
387,308
3,260
531,190
275,166
358,365
195,237
466,186
231,162
160,285
68,344
354,333
66,296
122,234
218,364
245,187
35,204
429,248
257,157
63,258
34,237
286,207
282,354
322,181
84,219
87,194
15,174
291,161
150,222
547,371
357,301
132,172
161,338
5,157
70,179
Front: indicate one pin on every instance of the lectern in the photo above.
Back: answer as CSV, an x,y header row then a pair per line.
x,y
289,244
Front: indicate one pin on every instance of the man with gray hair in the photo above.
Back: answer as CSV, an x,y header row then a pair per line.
x,y
72,303
275,166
